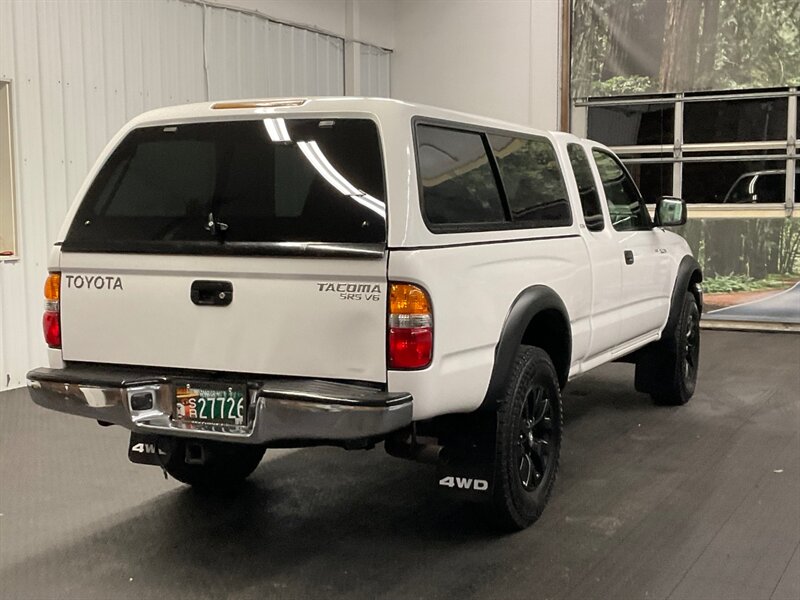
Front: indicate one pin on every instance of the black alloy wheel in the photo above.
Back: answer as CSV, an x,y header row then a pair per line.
x,y
691,349
536,435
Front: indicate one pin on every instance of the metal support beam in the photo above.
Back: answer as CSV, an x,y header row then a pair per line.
x,y
352,52
791,162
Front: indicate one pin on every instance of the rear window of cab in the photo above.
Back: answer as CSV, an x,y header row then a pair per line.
x,y
473,180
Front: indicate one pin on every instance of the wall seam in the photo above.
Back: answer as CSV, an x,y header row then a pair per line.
x,y
204,35
259,14
530,64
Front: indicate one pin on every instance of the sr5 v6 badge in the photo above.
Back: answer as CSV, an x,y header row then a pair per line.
x,y
352,291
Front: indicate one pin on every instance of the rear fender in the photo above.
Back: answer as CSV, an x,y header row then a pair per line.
x,y
531,302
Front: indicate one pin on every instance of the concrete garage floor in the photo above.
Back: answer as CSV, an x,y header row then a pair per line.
x,y
696,502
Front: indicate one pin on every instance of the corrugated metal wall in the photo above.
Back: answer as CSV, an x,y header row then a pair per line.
x,y
80,70
251,55
375,71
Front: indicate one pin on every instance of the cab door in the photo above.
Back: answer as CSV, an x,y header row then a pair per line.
x,y
646,275
606,263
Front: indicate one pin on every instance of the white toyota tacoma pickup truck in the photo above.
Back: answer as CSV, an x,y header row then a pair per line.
x,y
234,276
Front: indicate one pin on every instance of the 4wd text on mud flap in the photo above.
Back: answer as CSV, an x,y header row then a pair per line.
x,y
464,483
147,449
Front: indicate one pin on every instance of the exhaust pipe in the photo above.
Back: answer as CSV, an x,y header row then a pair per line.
x,y
410,448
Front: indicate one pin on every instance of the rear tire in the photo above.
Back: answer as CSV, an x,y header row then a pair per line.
x,y
668,370
225,464
528,440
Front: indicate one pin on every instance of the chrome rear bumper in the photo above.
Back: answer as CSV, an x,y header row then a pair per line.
x,y
279,410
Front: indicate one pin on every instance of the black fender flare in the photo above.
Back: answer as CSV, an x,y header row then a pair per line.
x,y
530,302
687,270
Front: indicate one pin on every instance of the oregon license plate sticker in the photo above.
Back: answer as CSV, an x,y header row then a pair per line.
x,y
213,404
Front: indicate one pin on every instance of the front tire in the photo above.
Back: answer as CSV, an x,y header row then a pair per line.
x,y
528,440
212,465
668,372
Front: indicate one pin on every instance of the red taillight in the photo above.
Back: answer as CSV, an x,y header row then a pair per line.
x,y
52,329
410,327
51,322
410,348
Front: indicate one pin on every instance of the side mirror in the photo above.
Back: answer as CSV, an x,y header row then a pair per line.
x,y
670,212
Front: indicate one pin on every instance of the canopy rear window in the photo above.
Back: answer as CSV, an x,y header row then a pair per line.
x,y
223,185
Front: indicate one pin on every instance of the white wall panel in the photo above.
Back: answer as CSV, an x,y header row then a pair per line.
x,y
260,58
375,71
498,58
80,69
247,52
375,18
325,15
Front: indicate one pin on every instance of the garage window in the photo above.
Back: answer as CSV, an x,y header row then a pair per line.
x,y
708,148
7,230
756,120
633,125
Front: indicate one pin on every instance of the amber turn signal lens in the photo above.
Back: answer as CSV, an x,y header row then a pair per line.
x,y
52,287
407,299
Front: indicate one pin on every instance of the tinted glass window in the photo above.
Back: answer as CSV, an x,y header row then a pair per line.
x,y
797,187
632,125
735,120
590,199
533,181
758,187
458,185
731,182
261,181
770,187
625,205
653,179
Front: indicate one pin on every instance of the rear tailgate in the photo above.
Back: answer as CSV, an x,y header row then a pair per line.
x,y
246,246
287,316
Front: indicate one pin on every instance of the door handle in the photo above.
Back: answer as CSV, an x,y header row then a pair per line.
x,y
628,257
212,293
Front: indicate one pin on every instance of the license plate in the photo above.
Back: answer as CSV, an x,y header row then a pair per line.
x,y
216,404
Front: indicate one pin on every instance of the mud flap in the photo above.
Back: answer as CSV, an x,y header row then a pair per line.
x,y
466,475
150,449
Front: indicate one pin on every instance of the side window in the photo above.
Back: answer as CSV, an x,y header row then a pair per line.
x,y
458,184
625,204
533,181
590,199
